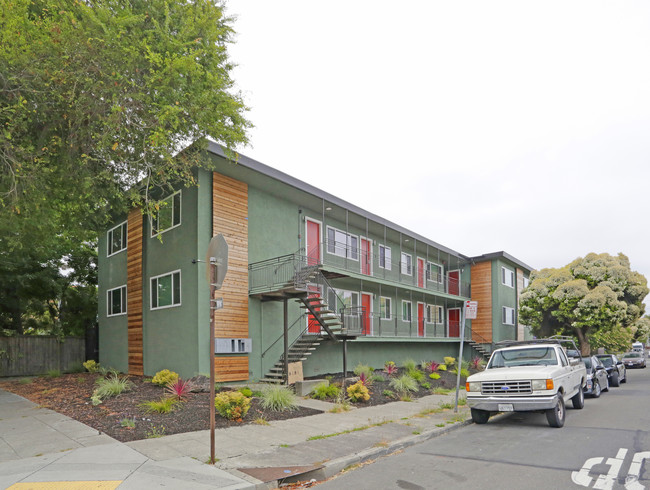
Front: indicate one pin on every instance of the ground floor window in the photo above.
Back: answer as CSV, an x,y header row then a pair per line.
x,y
166,290
508,316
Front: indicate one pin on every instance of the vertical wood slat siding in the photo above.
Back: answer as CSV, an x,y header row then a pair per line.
x,y
481,281
230,218
134,291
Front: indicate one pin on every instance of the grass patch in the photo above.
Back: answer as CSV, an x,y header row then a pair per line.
x,y
261,421
356,429
53,373
440,425
441,391
164,405
25,381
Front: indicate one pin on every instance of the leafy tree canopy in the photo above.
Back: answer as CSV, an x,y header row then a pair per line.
x,y
598,299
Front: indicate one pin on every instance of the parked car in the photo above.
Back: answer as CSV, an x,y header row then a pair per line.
x,y
596,377
634,360
616,372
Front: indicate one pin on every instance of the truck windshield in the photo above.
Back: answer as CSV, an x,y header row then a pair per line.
x,y
538,356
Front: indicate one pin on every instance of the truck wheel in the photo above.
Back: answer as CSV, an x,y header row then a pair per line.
x,y
614,382
578,399
595,392
555,416
480,416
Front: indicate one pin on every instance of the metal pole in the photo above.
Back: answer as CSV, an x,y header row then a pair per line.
x,y
213,268
286,342
345,362
460,356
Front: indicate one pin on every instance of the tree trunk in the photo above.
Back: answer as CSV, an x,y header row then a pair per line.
x,y
583,343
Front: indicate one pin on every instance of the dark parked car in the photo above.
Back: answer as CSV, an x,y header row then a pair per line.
x,y
616,372
596,377
634,360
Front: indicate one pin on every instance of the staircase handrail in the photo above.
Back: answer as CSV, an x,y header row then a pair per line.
x,y
300,317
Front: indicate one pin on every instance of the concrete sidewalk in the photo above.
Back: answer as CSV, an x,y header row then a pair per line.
x,y
38,446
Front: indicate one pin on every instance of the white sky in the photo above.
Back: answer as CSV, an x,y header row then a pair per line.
x,y
521,126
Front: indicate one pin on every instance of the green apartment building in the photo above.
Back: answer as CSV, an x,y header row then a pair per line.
x,y
331,274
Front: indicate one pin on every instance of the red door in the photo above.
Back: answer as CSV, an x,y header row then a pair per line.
x,y
312,324
454,282
453,317
365,256
313,243
420,272
366,302
420,319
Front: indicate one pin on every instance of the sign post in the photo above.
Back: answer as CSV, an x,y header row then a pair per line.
x,y
217,266
469,312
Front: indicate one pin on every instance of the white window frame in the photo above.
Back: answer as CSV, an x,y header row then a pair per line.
x,y
349,251
410,310
526,282
508,312
109,301
109,239
505,273
155,231
153,290
383,311
388,262
439,278
438,318
406,268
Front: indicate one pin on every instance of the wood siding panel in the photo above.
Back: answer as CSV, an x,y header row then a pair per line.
x,y
482,292
134,291
231,368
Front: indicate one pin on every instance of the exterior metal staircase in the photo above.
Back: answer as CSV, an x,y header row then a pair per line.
x,y
481,345
299,351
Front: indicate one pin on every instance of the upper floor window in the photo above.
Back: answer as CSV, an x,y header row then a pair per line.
x,y
507,277
385,308
166,290
342,244
406,311
508,315
116,301
168,216
434,314
435,272
526,282
406,265
385,261
116,239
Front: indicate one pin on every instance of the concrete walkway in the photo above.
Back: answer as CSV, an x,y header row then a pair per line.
x,y
40,448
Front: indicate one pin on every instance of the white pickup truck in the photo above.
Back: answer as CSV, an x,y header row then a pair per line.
x,y
528,376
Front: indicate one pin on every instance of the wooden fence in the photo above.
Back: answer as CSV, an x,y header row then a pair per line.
x,y
28,356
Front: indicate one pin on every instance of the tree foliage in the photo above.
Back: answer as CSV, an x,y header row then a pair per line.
x,y
97,97
597,298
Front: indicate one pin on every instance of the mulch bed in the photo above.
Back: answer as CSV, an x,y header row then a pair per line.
x,y
69,394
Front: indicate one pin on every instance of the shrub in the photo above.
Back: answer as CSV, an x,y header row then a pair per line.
x,y
365,380
363,369
246,391
434,366
477,363
178,389
232,405
410,365
53,373
416,374
450,361
377,377
127,423
111,386
358,392
164,405
442,367
434,376
162,378
463,372
404,384
325,391
390,368
278,398
389,394
426,386
91,366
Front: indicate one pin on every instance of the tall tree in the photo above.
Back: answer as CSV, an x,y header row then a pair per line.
x,y
587,298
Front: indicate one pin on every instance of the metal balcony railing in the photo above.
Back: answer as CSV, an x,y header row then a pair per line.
x,y
396,326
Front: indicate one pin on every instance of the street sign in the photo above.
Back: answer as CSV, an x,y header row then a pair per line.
x,y
217,256
471,310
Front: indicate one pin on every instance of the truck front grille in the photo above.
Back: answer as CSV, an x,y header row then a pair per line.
x,y
506,387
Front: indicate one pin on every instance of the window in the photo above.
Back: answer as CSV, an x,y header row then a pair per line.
x,y
434,272
385,308
116,301
116,239
507,277
434,314
342,244
508,316
406,311
168,216
348,298
166,290
526,282
406,265
385,261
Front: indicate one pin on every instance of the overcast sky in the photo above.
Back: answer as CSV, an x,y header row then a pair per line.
x,y
521,126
